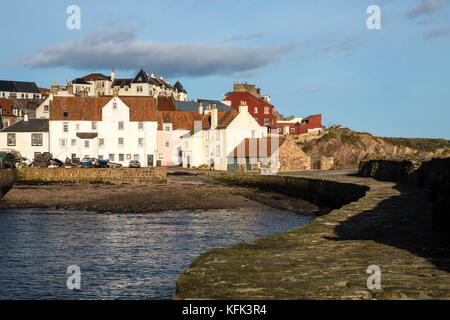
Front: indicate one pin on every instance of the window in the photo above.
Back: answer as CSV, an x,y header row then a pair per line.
x,y
167,127
94,125
120,142
253,134
140,126
266,110
63,143
100,157
217,135
114,105
86,156
121,157
111,157
292,129
65,113
217,151
45,109
74,155
160,156
140,142
266,121
120,125
65,127
11,139
167,144
86,143
101,142
36,139
136,157
256,110
77,126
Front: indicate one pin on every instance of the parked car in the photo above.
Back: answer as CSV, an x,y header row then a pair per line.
x,y
100,163
134,164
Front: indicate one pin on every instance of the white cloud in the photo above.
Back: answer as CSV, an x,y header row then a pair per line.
x,y
119,49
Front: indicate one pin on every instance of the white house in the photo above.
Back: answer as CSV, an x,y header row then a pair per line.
x,y
29,137
116,128
19,90
217,134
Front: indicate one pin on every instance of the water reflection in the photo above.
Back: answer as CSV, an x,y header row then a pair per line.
x,y
121,256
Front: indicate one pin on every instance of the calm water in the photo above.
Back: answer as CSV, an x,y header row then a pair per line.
x,y
121,256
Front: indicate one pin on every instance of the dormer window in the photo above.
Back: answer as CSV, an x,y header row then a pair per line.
x,y
65,113
168,127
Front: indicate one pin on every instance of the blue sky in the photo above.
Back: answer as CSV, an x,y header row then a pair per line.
x,y
310,56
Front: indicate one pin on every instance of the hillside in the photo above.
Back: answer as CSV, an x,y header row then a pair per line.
x,y
348,147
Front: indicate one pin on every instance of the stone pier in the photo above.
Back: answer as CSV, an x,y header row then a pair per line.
x,y
389,227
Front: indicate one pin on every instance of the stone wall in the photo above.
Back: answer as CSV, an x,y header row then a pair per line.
x,y
7,179
88,175
292,157
324,193
433,176
387,170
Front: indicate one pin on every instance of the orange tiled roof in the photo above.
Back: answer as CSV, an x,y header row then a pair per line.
x,y
96,76
178,119
90,108
5,105
166,104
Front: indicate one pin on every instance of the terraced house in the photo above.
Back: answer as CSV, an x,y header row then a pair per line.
x,y
217,133
116,128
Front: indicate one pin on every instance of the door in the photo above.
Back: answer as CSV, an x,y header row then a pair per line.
x,y
248,166
150,160
233,165
188,161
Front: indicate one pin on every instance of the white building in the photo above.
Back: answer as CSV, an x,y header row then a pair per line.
x,y
19,90
217,134
143,84
29,137
116,128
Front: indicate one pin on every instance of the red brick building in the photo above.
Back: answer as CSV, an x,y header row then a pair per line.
x,y
260,109
307,124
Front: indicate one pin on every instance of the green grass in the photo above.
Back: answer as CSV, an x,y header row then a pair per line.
x,y
422,144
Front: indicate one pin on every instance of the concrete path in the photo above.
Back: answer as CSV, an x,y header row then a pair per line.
x,y
390,228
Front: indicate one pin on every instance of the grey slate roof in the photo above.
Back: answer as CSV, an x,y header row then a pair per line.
x,y
18,86
32,125
179,87
219,105
193,105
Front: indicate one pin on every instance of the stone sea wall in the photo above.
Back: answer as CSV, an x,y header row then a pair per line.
x,y
91,175
433,176
324,193
7,179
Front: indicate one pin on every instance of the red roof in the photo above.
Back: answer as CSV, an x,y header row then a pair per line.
x,y
5,105
251,100
90,108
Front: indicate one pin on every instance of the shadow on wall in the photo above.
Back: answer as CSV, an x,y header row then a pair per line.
x,y
405,222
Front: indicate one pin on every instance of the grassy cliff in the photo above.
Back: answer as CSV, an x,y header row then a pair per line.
x,y
348,147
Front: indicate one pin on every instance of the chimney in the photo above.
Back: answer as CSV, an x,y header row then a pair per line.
x,y
214,117
70,89
200,108
243,107
25,117
113,75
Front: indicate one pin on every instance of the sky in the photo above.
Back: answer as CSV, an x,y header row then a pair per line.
x,y
309,56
